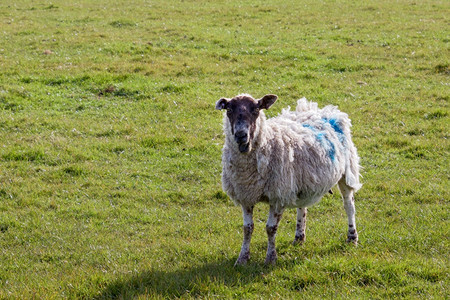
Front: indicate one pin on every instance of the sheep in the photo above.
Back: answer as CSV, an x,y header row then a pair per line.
x,y
288,161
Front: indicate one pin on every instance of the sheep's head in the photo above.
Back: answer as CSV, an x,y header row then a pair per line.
x,y
242,113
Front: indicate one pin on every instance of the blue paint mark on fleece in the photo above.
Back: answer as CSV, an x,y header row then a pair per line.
x,y
324,141
322,137
335,125
309,127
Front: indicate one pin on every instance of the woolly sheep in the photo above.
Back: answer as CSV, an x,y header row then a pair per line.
x,y
288,161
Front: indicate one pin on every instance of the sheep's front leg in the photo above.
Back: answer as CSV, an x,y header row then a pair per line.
x,y
301,225
244,256
271,228
349,205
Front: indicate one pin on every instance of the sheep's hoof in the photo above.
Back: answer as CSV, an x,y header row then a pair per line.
x,y
271,258
352,238
242,259
299,240
240,262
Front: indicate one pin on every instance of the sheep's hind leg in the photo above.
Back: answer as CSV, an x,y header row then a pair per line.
x,y
349,205
244,256
301,226
271,228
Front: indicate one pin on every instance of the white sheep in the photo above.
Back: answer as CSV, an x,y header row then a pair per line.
x,y
291,160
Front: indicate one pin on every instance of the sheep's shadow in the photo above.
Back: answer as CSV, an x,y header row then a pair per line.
x,y
196,280
190,281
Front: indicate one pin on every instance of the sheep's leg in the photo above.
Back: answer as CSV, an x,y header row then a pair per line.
x,y
271,228
349,205
301,225
244,256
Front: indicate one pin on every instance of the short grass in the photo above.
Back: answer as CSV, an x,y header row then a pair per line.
x,y
110,147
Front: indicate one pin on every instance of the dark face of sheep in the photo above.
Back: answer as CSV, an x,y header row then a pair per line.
x,y
242,113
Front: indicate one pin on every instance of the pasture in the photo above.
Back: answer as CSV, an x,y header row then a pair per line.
x,y
110,147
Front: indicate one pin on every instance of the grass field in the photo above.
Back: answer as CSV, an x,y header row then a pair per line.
x,y
110,147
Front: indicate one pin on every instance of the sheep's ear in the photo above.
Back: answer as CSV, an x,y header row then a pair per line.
x,y
267,101
222,103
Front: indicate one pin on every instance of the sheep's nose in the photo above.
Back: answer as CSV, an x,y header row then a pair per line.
x,y
241,137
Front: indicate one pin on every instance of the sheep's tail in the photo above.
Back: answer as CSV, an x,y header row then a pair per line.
x,y
352,170
352,165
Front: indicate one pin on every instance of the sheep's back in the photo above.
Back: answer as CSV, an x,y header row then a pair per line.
x,y
305,154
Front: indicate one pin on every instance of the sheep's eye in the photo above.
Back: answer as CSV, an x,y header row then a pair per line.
x,y
229,110
256,111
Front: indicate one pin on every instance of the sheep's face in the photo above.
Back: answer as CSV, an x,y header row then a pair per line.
x,y
242,113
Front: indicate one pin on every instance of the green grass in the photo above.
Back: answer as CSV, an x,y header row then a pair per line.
x,y
110,147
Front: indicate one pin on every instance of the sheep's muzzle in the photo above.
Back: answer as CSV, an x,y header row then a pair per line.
x,y
241,138
244,147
